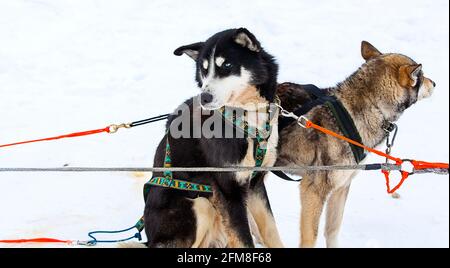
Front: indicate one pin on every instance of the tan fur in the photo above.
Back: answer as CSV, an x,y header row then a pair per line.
x,y
254,229
233,239
250,100
212,228
373,95
427,88
312,203
261,221
265,222
405,78
334,215
248,161
210,231
272,144
249,95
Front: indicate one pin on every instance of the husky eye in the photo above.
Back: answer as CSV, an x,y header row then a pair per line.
x,y
227,65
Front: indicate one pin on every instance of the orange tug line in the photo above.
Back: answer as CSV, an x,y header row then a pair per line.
x,y
71,135
37,240
417,164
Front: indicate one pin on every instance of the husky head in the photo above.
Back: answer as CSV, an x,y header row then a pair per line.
x,y
399,80
232,68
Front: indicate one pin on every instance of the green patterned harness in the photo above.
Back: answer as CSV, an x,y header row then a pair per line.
x,y
260,137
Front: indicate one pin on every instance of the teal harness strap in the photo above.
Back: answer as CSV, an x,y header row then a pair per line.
x,y
261,136
179,184
169,182
140,224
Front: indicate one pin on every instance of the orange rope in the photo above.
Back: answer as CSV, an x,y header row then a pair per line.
x,y
310,124
417,164
36,240
426,165
386,173
71,135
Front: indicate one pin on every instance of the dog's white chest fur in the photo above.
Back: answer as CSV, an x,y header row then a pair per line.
x,y
269,158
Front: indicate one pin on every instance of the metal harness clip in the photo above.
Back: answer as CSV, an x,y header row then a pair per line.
x,y
114,128
301,120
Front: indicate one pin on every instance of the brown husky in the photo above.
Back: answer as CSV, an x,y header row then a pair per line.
x,y
377,93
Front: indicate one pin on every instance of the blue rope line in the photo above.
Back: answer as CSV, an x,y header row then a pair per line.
x,y
95,241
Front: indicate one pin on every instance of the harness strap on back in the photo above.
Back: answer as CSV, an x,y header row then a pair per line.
x,y
344,120
284,176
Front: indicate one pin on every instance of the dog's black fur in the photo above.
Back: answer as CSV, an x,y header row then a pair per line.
x,y
261,63
169,217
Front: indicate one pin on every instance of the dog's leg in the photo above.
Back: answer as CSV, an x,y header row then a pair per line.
x,y
334,214
205,215
237,227
259,206
162,215
231,201
312,201
254,229
265,222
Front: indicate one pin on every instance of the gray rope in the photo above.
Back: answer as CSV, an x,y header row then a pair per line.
x,y
439,171
291,169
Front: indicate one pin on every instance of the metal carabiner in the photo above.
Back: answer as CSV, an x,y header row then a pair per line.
x,y
389,129
302,121
89,243
114,128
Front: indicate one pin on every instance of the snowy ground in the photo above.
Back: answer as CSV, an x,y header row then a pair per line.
x,y
75,65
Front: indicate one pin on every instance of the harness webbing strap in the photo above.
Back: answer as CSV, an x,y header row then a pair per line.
x,y
347,127
180,184
168,180
344,120
284,176
149,120
260,136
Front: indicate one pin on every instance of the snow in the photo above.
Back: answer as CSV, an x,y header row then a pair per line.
x,y
75,65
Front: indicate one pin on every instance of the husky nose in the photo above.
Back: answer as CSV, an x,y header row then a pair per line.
x,y
206,98
434,84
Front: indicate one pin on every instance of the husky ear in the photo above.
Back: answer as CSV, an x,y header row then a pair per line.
x,y
409,74
191,50
246,39
415,71
368,51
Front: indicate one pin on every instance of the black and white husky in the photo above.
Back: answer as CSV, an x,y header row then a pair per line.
x,y
232,70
